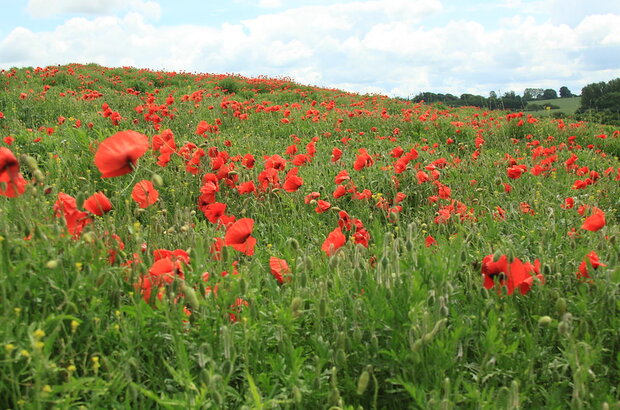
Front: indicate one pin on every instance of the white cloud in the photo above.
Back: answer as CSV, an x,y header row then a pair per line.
x,y
366,46
270,3
46,8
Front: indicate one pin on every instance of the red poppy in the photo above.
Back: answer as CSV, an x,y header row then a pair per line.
x,y
363,160
515,171
336,154
75,219
592,257
339,191
512,276
322,206
280,269
334,241
118,154
239,236
144,193
12,183
214,211
166,269
292,181
429,241
98,204
246,187
594,222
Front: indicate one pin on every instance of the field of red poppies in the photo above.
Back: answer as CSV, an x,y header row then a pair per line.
x,y
204,241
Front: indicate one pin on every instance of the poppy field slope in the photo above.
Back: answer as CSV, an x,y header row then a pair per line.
x,y
184,240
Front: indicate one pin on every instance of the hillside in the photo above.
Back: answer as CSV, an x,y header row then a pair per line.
x,y
183,240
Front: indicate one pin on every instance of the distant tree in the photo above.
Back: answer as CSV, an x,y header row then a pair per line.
x,y
591,93
492,95
532,93
601,102
512,101
565,92
549,94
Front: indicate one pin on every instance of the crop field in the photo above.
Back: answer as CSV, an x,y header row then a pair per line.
x,y
180,240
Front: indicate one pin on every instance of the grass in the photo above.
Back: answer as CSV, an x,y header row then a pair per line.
x,y
397,322
567,106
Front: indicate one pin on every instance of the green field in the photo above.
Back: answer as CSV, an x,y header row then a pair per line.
x,y
174,240
568,106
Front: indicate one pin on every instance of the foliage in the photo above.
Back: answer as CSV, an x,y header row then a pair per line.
x,y
407,305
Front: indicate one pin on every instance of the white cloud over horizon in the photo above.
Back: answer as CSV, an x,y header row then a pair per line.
x,y
393,47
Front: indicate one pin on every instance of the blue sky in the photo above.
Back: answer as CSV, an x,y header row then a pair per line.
x,y
392,47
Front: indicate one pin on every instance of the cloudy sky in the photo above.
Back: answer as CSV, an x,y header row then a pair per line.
x,y
392,47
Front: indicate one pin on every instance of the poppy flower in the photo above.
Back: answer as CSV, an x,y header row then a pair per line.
x,y
246,187
292,181
279,269
336,154
339,191
363,160
515,171
118,154
514,275
214,211
12,183
322,206
333,242
144,193
594,222
429,241
98,204
592,257
66,207
239,236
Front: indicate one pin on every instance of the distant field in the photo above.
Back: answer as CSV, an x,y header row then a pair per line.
x,y
567,105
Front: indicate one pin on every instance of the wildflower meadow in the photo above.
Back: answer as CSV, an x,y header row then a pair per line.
x,y
182,240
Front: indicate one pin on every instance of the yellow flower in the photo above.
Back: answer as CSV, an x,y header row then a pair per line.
x,y
9,347
38,334
47,388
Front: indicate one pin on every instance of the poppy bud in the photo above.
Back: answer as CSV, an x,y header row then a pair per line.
x,y
88,237
544,321
374,341
362,382
560,306
563,328
227,368
38,176
293,243
190,295
296,304
157,180
30,162
341,358
53,264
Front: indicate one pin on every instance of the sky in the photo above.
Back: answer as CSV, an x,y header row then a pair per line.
x,y
389,47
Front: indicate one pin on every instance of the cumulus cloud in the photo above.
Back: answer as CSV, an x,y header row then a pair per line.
x,y
379,46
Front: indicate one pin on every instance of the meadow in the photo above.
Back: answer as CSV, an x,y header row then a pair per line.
x,y
566,106
181,240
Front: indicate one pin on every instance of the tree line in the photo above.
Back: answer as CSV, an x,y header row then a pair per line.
x,y
507,101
